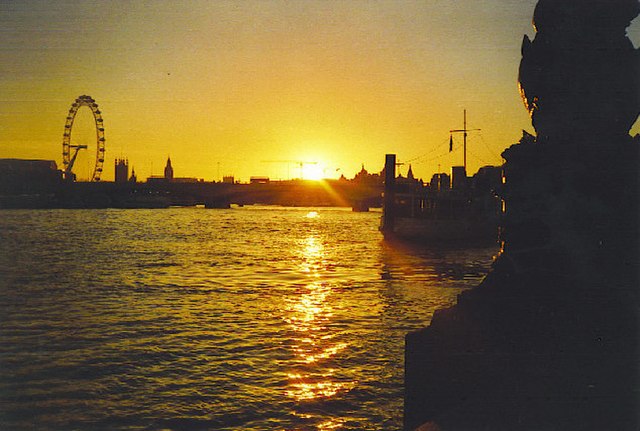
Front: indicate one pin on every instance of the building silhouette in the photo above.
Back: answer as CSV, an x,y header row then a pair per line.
x,y
364,177
121,170
169,178
20,176
168,170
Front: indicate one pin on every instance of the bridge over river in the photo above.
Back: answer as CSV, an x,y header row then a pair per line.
x,y
162,194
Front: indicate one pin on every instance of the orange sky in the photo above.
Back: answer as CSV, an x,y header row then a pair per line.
x,y
222,87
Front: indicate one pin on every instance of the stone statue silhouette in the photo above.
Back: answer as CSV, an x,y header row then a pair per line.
x,y
580,76
556,320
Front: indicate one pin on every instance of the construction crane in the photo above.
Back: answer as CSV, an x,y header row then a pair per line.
x,y
300,164
68,175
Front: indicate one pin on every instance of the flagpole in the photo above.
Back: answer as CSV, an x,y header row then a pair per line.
x,y
464,139
464,131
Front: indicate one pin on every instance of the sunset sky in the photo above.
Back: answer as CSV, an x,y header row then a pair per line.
x,y
225,87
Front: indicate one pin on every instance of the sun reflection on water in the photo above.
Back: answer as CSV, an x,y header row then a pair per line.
x,y
310,315
327,425
313,258
302,389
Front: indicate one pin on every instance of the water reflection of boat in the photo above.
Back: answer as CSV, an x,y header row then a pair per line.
x,y
445,266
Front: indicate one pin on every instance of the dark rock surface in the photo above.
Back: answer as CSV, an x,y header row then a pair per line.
x,y
528,353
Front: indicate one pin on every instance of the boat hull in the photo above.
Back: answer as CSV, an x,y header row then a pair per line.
x,y
424,230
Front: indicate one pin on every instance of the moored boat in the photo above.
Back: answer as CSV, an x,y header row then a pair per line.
x,y
452,208
438,212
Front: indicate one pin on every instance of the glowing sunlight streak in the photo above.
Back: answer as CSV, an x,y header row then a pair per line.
x,y
334,195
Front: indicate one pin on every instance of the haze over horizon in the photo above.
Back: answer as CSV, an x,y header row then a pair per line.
x,y
222,87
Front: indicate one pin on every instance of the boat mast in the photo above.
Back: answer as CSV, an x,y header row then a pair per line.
x,y
464,131
464,139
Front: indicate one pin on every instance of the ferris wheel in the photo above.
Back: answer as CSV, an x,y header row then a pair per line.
x,y
69,159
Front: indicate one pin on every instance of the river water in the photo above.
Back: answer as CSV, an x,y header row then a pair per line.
x,y
254,318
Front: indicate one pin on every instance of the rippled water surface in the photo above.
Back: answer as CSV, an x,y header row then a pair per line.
x,y
251,318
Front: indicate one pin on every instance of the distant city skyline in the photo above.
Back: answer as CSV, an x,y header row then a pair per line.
x,y
224,87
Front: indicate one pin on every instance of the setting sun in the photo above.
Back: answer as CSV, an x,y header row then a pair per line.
x,y
312,171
